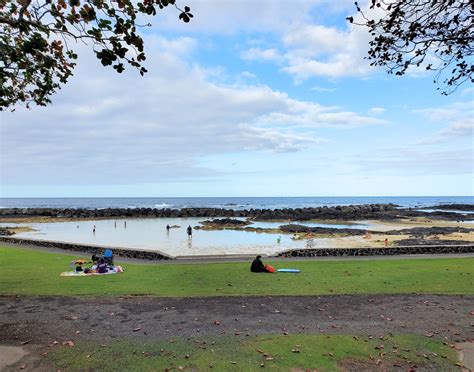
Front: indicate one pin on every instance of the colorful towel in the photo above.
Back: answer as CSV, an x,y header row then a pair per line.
x,y
116,270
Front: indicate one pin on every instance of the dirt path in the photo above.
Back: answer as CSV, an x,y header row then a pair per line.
x,y
42,320
35,322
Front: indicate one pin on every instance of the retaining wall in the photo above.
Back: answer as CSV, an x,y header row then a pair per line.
x,y
120,252
389,251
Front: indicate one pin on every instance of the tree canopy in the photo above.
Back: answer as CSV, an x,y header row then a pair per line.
x,y
35,41
435,35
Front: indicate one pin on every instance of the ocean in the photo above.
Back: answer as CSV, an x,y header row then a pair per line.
x,y
231,202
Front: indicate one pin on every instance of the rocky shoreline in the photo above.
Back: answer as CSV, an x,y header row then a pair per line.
x,y
351,212
417,232
388,251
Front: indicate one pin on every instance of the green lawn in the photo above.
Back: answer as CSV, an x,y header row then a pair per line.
x,y
31,272
277,352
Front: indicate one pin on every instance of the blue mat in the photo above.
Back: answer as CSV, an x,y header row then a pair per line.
x,y
288,270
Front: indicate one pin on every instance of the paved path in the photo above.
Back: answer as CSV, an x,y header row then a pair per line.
x,y
240,258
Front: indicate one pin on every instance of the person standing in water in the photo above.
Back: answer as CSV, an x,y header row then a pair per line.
x,y
190,232
93,230
125,224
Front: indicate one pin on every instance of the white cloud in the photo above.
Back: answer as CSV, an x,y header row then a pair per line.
x,y
459,116
376,111
257,54
413,161
315,39
232,16
317,88
105,128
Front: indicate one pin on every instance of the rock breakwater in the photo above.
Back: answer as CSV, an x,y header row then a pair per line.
x,y
391,251
375,211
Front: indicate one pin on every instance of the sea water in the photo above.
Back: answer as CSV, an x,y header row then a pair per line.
x,y
231,202
151,234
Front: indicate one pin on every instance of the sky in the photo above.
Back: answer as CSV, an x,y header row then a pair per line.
x,y
267,98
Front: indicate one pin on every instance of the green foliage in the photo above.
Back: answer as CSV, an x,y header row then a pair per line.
x,y
30,272
281,353
437,34
35,58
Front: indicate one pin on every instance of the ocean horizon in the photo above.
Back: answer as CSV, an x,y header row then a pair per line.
x,y
229,202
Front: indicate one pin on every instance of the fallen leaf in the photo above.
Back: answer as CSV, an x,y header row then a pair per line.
x,y
68,343
137,329
23,366
25,342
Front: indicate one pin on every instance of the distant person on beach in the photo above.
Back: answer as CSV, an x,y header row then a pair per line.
x,y
167,227
93,230
258,266
125,224
189,231
115,224
386,242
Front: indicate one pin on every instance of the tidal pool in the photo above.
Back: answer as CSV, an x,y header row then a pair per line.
x,y
151,234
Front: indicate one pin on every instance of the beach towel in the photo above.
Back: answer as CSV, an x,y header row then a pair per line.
x,y
115,270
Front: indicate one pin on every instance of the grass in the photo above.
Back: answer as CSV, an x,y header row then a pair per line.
x,y
277,352
30,272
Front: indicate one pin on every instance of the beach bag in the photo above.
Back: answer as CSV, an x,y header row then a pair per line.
x,y
270,269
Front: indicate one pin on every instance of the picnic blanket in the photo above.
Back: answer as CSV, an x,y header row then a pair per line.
x,y
115,270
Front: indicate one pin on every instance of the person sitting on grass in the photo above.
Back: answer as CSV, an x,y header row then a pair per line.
x,y
258,266
102,267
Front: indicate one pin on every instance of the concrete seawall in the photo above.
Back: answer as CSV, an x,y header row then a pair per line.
x,y
312,252
120,252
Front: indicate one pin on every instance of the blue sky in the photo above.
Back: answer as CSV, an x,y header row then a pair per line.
x,y
268,98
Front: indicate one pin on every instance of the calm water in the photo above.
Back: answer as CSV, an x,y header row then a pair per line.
x,y
151,234
233,203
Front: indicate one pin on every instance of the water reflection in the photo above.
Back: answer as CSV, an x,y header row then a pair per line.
x,y
153,234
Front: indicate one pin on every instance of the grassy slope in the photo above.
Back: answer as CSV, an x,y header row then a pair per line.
x,y
275,352
37,273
